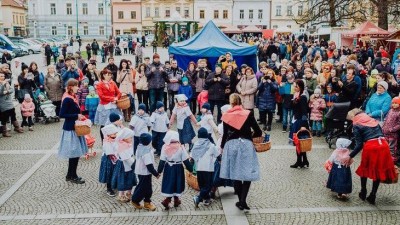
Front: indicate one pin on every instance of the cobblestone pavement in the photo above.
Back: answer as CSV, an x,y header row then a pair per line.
x,y
33,190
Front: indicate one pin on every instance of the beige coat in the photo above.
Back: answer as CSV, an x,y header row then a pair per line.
x,y
52,86
247,88
141,82
125,84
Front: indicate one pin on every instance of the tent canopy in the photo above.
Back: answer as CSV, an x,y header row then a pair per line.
x,y
231,30
211,43
367,29
251,29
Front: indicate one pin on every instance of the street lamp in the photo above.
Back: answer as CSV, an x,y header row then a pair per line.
x,y
105,8
77,19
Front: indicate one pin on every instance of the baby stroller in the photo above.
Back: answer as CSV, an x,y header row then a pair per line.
x,y
336,123
118,51
45,108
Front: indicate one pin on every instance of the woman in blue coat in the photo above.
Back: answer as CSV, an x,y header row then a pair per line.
x,y
71,146
266,99
379,103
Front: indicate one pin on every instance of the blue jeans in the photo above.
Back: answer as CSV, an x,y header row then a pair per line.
x,y
316,125
156,94
285,114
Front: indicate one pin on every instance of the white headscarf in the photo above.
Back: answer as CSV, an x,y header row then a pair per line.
x,y
343,143
225,108
171,136
124,134
109,129
181,97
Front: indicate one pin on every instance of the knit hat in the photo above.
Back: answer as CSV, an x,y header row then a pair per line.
x,y
185,79
145,139
27,96
317,91
114,117
159,105
202,133
156,56
85,80
374,72
24,66
91,88
290,77
244,66
142,107
167,62
396,100
384,84
206,106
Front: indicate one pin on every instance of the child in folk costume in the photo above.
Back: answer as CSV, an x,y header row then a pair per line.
x,y
159,123
204,153
339,179
207,121
317,106
91,103
108,158
140,123
183,115
144,168
391,128
27,109
173,155
124,178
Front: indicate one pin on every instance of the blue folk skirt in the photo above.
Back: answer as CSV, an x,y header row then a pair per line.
x,y
106,170
102,115
186,134
239,161
71,145
339,179
217,180
121,180
173,182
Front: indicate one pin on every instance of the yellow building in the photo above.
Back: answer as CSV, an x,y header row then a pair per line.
x,y
14,18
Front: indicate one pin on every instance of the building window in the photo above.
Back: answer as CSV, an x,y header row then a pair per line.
x,y
167,12
201,14
260,14
186,13
225,14
70,31
147,11
278,10
241,14
133,15
69,9
84,8
289,26
216,14
275,27
33,9
85,30
53,30
289,10
251,14
14,19
101,30
120,14
53,9
101,8
156,12
22,20
178,9
300,10
117,32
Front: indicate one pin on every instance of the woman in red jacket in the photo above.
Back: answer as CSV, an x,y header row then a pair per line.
x,y
109,94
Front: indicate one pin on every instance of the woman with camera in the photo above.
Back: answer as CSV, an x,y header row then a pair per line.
x,y
125,80
217,83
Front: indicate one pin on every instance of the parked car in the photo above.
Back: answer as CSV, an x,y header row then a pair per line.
x,y
24,48
32,46
7,44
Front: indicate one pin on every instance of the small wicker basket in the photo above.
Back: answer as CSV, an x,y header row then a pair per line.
x,y
192,180
124,102
305,145
260,145
82,130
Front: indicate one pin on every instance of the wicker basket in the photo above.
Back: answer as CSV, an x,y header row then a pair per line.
x,y
192,180
260,145
124,102
305,145
82,130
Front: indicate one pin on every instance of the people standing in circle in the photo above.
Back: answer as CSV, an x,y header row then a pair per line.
x,y
71,147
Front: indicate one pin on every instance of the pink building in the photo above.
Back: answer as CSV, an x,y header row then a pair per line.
x,y
126,16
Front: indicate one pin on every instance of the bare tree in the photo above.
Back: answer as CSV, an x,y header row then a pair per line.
x,y
387,11
332,12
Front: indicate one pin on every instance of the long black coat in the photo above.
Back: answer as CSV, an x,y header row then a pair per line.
x,y
216,89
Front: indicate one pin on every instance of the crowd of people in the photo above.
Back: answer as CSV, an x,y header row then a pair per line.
x,y
297,87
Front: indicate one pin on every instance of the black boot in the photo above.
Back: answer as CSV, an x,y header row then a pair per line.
x,y
243,196
371,198
237,186
305,161
298,162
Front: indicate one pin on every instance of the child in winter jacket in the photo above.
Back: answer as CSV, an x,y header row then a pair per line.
x,y
202,98
391,128
83,92
91,103
286,90
27,109
330,97
186,89
317,106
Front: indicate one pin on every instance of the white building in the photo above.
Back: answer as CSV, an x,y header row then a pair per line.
x,y
220,11
86,18
252,12
282,14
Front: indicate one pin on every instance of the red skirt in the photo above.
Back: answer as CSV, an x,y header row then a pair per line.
x,y
376,161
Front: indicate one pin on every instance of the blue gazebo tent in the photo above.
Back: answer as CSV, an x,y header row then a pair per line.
x,y
211,43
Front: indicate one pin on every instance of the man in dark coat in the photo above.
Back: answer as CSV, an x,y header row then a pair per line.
x,y
217,83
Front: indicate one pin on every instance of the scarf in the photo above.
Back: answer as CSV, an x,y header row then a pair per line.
x,y
172,148
235,117
363,119
73,97
142,150
200,148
